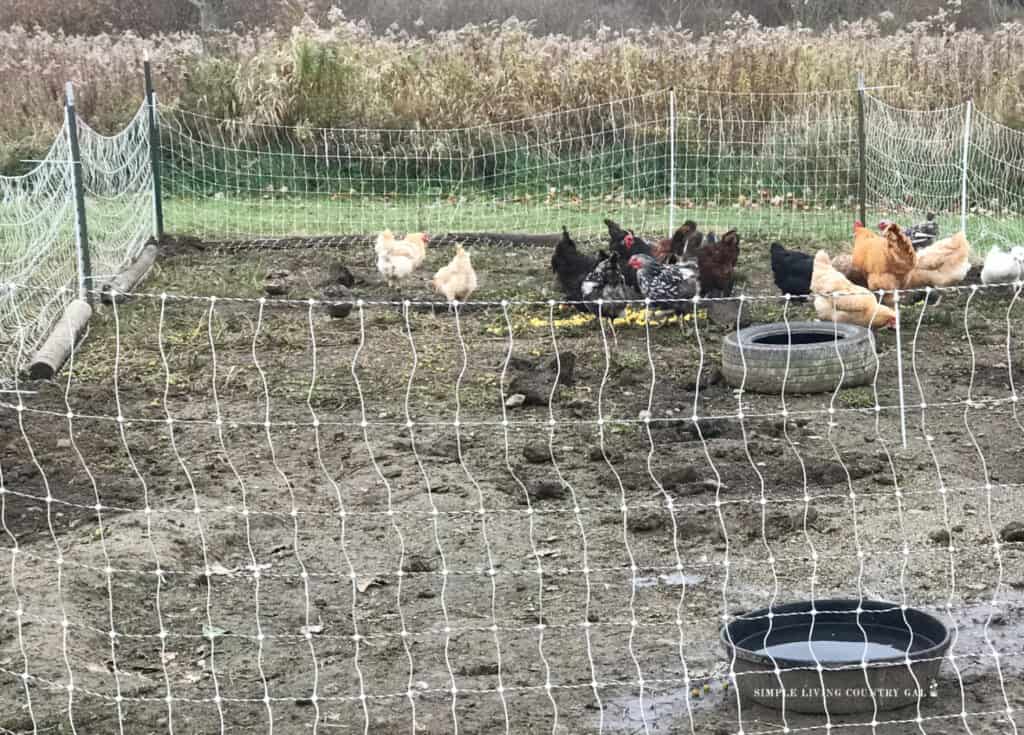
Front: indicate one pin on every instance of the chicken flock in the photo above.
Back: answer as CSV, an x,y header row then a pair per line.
x,y
886,261
669,274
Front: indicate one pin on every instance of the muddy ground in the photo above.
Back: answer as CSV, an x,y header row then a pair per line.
x,y
316,574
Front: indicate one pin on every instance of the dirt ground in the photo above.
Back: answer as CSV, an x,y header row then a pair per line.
x,y
289,554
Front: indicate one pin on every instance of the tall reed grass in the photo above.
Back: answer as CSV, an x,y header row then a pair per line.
x,y
342,74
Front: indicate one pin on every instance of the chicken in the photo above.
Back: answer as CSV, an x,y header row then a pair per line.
x,y
669,287
885,260
338,274
922,235
792,270
457,280
608,283
397,259
571,267
836,299
616,235
844,264
687,240
625,243
683,245
277,283
716,262
1003,267
943,264
339,300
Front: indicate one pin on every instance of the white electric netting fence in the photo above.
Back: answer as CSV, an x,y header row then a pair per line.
x,y
118,182
782,164
284,522
955,162
232,179
239,514
38,222
914,163
994,183
37,250
772,165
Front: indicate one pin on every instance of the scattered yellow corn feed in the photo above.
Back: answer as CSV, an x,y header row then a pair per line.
x,y
631,318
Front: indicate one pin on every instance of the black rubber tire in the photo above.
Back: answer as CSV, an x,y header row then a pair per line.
x,y
813,368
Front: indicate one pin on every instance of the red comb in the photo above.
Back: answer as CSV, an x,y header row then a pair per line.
x,y
628,242
858,223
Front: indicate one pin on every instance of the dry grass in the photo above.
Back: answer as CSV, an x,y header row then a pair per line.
x,y
346,75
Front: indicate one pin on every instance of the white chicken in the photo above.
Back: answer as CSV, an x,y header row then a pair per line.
x,y
398,259
457,280
1003,267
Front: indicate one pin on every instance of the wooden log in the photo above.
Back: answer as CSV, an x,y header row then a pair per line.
x,y
125,281
497,238
48,361
355,242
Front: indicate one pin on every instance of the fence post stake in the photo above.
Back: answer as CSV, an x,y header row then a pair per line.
x,y
154,151
671,159
862,152
899,369
963,177
81,229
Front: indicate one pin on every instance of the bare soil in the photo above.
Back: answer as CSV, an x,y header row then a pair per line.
x,y
461,574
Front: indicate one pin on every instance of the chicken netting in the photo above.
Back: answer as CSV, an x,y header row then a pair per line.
x,y
244,514
118,182
956,163
236,510
39,268
774,164
37,254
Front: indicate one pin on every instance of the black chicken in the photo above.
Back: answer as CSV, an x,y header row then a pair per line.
x,y
626,243
615,233
669,287
792,270
921,235
571,267
338,274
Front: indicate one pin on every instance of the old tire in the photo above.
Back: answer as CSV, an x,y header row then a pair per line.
x,y
815,363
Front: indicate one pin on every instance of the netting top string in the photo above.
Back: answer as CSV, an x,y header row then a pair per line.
x,y
292,303
916,110
140,114
56,155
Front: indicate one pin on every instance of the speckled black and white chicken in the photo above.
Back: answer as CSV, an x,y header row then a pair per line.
x,y
607,283
669,287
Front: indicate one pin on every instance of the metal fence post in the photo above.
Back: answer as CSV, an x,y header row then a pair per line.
x,y
78,186
154,151
862,152
671,159
969,114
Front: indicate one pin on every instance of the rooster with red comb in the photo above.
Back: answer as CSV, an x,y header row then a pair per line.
x,y
626,244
